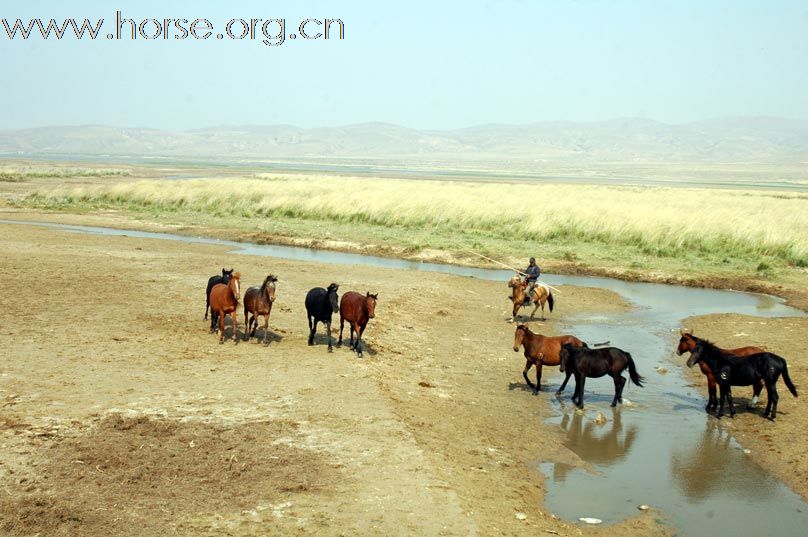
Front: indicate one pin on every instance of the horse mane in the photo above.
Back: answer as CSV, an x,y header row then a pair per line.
x,y
708,346
269,279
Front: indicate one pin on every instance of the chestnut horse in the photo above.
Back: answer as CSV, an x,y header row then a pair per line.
x,y
213,280
541,350
688,342
258,301
357,310
223,300
541,294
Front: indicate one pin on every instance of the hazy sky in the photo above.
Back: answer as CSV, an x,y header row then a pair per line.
x,y
429,64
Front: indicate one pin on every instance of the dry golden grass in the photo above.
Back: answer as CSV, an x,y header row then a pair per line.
x,y
659,220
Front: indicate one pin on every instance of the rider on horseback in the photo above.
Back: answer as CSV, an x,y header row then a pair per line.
x,y
532,273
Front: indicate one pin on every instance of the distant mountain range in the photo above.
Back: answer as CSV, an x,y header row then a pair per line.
x,y
744,139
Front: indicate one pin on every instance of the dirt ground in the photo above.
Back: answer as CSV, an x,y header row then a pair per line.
x,y
120,414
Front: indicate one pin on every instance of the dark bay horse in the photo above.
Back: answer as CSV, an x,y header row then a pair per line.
x,y
213,280
688,342
357,310
258,301
540,295
734,371
224,300
320,306
595,363
541,350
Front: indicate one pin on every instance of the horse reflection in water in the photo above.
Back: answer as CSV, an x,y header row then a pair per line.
x,y
596,444
701,469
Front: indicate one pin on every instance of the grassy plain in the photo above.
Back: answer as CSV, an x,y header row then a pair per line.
x,y
744,239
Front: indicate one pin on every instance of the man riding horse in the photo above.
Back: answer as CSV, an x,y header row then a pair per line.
x,y
532,273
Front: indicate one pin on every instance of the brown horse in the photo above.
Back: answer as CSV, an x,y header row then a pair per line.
x,y
540,295
258,301
541,350
223,300
688,342
357,310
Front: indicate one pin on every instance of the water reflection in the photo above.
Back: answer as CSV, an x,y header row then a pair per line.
x,y
601,444
699,469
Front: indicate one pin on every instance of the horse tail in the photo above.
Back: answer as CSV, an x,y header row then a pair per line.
x,y
550,299
787,380
632,372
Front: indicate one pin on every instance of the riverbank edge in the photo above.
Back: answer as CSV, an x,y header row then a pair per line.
x,y
797,298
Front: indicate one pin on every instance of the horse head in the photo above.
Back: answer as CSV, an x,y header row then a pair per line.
x,y
370,300
333,298
226,274
235,285
687,342
706,352
269,287
519,337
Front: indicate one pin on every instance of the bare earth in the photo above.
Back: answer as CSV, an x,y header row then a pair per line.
x,y
121,415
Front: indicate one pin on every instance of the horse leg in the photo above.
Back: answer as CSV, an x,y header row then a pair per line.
x,y
328,328
220,317
266,328
234,319
528,365
619,382
312,329
731,405
580,385
564,384
712,400
757,387
532,313
341,326
538,377
359,340
771,394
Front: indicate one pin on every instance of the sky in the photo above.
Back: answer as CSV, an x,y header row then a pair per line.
x,y
420,64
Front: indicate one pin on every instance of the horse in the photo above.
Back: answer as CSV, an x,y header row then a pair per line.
x,y
258,301
688,342
540,295
595,363
320,305
541,350
213,280
223,300
357,310
733,371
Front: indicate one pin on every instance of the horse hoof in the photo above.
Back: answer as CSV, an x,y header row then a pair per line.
x,y
330,349
359,355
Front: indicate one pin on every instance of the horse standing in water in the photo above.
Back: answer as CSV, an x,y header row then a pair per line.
x,y
540,295
596,363
357,310
733,371
320,306
258,301
213,280
223,300
541,350
688,342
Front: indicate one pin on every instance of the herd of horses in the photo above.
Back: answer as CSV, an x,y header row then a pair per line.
x,y
724,368
745,366
223,294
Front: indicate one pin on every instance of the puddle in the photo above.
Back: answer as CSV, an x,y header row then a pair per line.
x,y
661,449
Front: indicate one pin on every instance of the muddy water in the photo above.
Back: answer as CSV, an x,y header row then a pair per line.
x,y
659,449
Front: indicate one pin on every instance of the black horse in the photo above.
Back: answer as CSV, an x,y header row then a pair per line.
x,y
320,305
213,280
583,362
732,370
